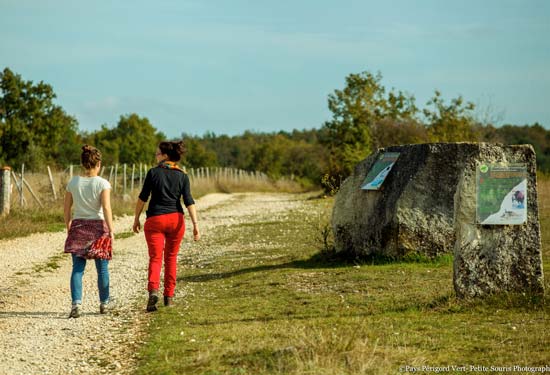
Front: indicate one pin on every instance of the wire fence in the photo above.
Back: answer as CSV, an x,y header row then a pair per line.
x,y
24,189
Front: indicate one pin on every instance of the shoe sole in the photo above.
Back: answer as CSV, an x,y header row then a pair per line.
x,y
152,303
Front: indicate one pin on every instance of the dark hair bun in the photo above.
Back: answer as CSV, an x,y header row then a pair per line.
x,y
174,150
179,147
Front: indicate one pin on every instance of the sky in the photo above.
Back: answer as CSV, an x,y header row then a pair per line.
x,y
229,66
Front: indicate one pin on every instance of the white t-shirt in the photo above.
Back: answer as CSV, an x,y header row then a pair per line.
x,y
86,193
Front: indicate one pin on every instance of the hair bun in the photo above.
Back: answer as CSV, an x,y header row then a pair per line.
x,y
179,147
87,148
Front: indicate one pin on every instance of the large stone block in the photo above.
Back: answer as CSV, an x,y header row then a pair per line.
x,y
491,259
414,209
427,205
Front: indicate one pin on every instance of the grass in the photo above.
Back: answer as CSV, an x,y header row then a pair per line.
x,y
275,302
50,265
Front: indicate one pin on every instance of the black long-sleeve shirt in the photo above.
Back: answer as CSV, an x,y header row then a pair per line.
x,y
166,187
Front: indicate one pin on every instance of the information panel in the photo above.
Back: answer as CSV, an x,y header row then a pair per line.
x,y
376,176
501,194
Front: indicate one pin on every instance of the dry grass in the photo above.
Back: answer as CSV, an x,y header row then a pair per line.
x,y
47,215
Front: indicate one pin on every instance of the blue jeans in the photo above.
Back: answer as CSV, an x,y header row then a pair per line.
x,y
102,267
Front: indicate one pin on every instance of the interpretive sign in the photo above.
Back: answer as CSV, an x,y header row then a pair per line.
x,y
501,194
376,176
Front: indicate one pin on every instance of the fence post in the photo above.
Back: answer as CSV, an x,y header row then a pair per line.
x,y
124,183
116,175
19,186
5,182
21,190
133,176
70,172
140,175
51,183
23,181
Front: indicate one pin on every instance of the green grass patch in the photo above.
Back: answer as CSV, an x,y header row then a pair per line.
x,y
50,265
120,236
271,302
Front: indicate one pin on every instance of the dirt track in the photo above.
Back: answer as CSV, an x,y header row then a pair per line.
x,y
36,337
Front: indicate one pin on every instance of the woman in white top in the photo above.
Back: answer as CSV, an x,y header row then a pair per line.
x,y
92,220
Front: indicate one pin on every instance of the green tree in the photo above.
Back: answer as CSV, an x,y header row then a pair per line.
x,y
133,140
452,122
34,130
355,111
196,154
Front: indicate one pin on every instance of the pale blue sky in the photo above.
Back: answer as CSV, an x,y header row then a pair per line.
x,y
229,66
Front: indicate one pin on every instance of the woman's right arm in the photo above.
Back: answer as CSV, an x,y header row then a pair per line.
x,y
139,207
68,204
142,199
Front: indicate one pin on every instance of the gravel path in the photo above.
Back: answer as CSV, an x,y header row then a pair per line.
x,y
36,337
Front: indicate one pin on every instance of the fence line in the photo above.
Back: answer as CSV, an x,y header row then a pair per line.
x,y
48,190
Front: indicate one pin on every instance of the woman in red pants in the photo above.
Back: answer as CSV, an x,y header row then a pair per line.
x,y
167,184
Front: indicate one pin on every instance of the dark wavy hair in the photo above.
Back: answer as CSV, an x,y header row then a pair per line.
x,y
174,150
90,157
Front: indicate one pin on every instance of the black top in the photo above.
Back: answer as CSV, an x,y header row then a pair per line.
x,y
166,187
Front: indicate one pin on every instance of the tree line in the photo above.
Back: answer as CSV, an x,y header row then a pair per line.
x,y
365,116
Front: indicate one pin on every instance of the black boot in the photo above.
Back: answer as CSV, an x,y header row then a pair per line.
x,y
152,302
168,301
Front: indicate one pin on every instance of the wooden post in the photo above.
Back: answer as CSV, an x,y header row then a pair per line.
x,y
32,192
124,182
51,183
102,170
111,174
116,175
18,186
133,176
140,175
70,172
21,190
5,190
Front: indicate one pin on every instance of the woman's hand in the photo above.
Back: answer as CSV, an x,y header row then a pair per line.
x,y
196,233
137,225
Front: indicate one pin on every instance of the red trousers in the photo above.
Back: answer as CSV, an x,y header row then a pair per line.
x,y
163,234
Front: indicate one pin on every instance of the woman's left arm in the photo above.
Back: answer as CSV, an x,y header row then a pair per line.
x,y
68,204
107,211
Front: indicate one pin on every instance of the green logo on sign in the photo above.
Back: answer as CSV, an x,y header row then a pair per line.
x,y
484,168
